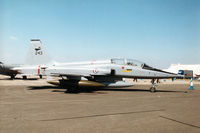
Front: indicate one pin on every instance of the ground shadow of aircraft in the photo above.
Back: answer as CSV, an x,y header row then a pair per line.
x,y
43,87
139,90
20,79
97,90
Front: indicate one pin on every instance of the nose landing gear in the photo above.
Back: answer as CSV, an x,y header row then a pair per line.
x,y
153,88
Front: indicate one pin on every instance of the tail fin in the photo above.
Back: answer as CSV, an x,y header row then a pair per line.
x,y
37,54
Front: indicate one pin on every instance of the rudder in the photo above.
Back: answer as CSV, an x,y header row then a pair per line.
x,y
37,55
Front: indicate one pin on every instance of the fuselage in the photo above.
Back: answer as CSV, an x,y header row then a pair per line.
x,y
117,67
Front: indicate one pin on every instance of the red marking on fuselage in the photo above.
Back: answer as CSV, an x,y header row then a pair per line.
x,y
38,70
123,67
95,71
92,63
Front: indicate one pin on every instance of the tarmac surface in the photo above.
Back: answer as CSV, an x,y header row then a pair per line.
x,y
33,106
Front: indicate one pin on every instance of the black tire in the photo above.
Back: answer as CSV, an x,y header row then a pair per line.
x,y
152,89
12,77
40,76
24,77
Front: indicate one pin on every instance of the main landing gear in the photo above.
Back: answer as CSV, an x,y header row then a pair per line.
x,y
153,88
12,77
24,77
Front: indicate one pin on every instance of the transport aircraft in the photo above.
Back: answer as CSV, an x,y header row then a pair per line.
x,y
177,68
105,73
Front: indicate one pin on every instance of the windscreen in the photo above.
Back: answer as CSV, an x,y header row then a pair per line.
x,y
118,61
129,62
132,62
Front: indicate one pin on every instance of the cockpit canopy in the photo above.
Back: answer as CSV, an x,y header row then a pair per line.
x,y
130,62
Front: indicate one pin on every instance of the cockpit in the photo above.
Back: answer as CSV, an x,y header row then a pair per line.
x,y
132,62
129,62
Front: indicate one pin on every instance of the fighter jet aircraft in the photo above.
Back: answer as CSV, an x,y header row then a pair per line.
x,y
7,70
36,58
106,73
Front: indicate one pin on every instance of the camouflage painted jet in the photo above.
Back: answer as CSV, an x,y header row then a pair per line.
x,y
106,73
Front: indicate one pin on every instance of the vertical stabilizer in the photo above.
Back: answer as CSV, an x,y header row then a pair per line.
x,y
37,55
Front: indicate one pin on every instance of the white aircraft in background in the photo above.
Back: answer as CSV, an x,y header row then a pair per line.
x,y
106,73
37,58
178,68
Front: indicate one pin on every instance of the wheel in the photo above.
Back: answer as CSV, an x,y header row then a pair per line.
x,y
40,76
12,77
152,89
24,77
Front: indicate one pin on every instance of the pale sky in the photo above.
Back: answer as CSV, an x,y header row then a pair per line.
x,y
158,32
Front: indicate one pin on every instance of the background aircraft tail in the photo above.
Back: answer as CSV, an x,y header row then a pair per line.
x,y
37,55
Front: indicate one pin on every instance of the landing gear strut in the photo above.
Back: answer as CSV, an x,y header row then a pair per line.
x,y
12,77
153,88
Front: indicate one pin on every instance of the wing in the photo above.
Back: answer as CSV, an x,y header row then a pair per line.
x,y
77,72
